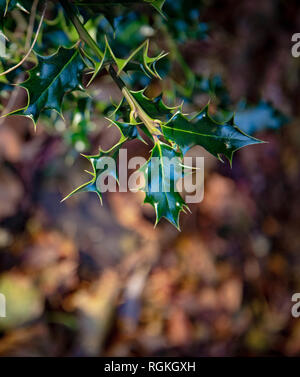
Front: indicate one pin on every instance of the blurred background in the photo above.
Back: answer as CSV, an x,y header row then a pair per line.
x,y
86,280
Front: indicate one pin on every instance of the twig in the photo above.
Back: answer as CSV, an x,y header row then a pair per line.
x,y
31,24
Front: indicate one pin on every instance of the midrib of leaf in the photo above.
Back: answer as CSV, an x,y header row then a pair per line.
x,y
197,133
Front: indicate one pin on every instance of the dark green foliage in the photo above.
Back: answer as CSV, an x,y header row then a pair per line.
x,y
122,49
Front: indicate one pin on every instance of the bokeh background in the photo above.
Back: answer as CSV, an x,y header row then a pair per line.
x,y
86,280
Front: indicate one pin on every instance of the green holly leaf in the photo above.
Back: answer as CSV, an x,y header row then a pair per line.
x,y
138,60
157,4
129,127
99,171
155,108
121,111
50,80
129,130
104,5
162,172
217,138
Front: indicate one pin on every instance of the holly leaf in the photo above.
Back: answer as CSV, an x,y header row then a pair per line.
x,y
157,4
50,80
138,60
130,130
161,173
155,108
103,5
99,162
217,138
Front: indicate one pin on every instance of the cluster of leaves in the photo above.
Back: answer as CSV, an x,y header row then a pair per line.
x,y
171,131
